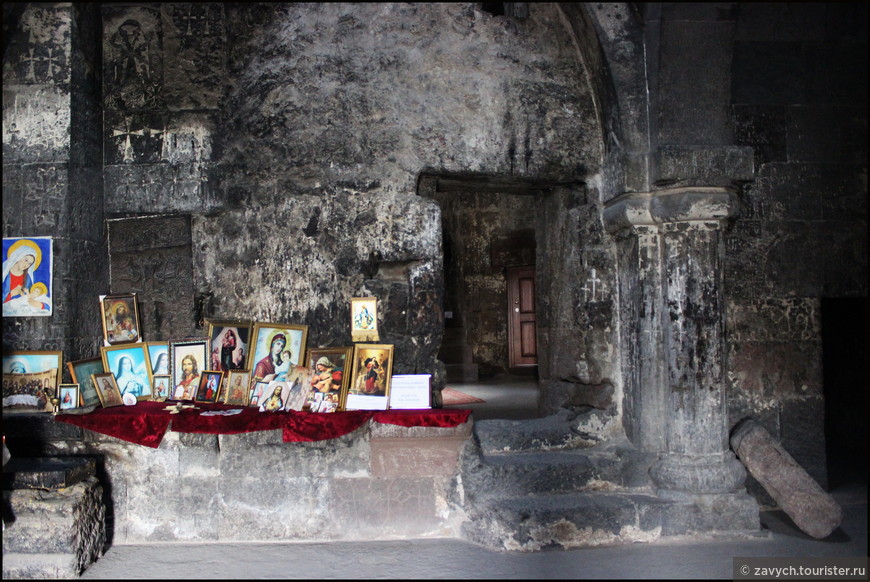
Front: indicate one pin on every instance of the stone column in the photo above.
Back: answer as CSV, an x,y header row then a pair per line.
x,y
673,314
52,184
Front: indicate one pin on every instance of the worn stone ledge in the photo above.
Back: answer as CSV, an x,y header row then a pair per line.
x,y
690,204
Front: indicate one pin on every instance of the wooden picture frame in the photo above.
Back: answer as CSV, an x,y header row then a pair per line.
x,y
268,366
238,387
81,371
276,397
130,364
30,380
229,344
187,359
209,386
370,381
120,317
161,387
364,319
67,397
107,390
28,264
257,393
158,354
331,372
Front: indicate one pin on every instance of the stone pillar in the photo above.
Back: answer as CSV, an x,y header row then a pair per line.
x,y
673,314
52,184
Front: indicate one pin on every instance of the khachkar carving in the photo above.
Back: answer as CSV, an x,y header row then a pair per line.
x,y
196,39
138,139
673,238
43,58
148,256
133,69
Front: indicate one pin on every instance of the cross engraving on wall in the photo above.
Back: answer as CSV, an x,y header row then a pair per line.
x,y
126,133
591,286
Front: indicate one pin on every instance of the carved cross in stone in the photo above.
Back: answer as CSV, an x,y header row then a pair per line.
x,y
190,18
594,280
31,72
50,59
161,133
126,133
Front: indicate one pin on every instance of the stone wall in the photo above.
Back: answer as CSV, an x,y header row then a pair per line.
x,y
294,135
799,97
51,167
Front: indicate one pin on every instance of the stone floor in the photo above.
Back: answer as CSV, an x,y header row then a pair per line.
x,y
512,398
689,558
456,559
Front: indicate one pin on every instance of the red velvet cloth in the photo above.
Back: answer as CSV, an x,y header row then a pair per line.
x,y
146,422
438,417
143,424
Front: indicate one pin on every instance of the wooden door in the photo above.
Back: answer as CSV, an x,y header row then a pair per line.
x,y
522,336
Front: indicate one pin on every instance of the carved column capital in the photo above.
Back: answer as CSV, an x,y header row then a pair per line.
x,y
712,205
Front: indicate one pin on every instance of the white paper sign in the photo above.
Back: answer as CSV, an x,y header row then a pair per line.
x,y
410,391
363,402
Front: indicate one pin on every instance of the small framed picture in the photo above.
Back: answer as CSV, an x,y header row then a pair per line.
x,y
68,397
238,385
300,380
209,386
81,371
330,377
158,353
31,380
229,344
120,316
258,392
276,348
107,389
276,397
370,382
364,319
27,277
131,366
187,359
160,385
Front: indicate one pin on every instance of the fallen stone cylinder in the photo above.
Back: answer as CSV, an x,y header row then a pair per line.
x,y
811,508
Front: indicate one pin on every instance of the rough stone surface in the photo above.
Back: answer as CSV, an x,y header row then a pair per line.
x,y
292,137
53,533
224,487
798,495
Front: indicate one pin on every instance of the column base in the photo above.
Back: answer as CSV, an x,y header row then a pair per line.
x,y
679,477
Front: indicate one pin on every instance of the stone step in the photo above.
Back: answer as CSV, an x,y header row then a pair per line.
x,y
54,533
592,519
558,431
540,473
537,522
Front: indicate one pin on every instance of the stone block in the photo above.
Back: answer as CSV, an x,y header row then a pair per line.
x,y
710,514
53,533
414,457
385,431
50,473
763,128
384,507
